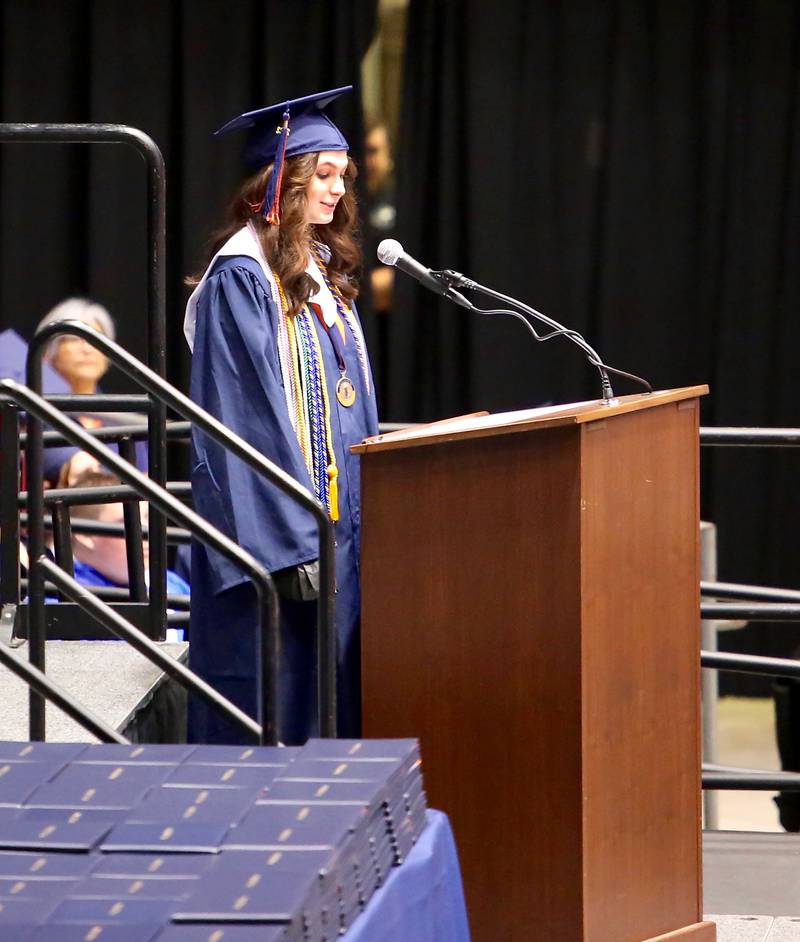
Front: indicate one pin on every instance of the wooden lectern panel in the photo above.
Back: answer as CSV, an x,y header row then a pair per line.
x,y
477,569
641,674
530,611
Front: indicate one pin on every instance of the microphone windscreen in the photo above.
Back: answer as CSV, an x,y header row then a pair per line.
x,y
389,251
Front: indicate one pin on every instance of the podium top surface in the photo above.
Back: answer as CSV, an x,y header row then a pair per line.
x,y
484,424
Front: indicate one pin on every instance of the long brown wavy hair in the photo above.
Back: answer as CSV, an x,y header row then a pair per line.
x,y
285,246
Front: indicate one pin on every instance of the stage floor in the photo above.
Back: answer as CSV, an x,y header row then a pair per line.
x,y
110,678
756,928
753,881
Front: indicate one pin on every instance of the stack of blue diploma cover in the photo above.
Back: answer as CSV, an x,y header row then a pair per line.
x,y
146,843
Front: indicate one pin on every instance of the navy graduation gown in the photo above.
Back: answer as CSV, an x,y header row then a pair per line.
x,y
236,376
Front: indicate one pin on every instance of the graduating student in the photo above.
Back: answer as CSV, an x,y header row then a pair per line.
x,y
279,357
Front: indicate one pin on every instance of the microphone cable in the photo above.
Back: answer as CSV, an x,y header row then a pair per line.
x,y
456,279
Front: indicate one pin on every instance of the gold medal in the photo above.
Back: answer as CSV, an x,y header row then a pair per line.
x,y
346,391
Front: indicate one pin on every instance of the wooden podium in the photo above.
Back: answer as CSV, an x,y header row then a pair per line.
x,y
531,611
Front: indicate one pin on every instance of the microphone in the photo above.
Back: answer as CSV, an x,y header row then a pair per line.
x,y
390,252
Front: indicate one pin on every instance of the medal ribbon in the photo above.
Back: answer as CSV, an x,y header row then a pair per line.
x,y
335,338
346,314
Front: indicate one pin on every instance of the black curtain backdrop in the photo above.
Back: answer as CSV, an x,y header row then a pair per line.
x,y
631,168
73,218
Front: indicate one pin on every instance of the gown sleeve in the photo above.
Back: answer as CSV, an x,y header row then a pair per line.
x,y
236,376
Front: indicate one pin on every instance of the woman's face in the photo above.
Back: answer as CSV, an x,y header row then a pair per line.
x,y
326,187
81,365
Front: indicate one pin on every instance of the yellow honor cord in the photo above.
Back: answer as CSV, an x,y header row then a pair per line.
x,y
302,428
333,491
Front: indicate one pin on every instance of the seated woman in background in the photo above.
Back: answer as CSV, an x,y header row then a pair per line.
x,y
82,366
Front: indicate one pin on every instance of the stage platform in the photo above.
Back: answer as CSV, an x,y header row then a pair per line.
x,y
110,678
756,928
752,882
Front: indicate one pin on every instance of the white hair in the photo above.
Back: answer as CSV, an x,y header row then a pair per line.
x,y
77,309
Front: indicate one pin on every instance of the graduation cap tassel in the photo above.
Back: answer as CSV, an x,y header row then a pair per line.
x,y
272,200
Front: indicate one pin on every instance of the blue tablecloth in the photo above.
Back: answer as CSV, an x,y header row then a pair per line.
x,y
423,900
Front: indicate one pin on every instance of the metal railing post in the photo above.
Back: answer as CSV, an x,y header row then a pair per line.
x,y
37,631
9,513
709,678
62,537
132,517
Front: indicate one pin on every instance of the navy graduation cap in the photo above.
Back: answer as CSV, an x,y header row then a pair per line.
x,y
13,352
287,129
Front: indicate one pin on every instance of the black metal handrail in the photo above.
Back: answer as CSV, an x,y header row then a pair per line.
x,y
175,535
774,605
750,664
176,431
758,593
116,593
39,410
156,302
9,516
182,405
98,402
749,611
730,778
744,437
107,494
146,147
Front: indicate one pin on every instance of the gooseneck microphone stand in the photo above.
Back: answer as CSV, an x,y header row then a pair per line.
x,y
455,280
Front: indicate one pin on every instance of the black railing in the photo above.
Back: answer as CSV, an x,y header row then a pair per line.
x,y
749,437
750,664
176,431
734,779
108,494
45,133
737,590
114,593
758,603
9,515
750,611
39,410
175,535
183,406
145,146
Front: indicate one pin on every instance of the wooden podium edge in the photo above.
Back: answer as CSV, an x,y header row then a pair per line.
x,y
697,932
446,430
